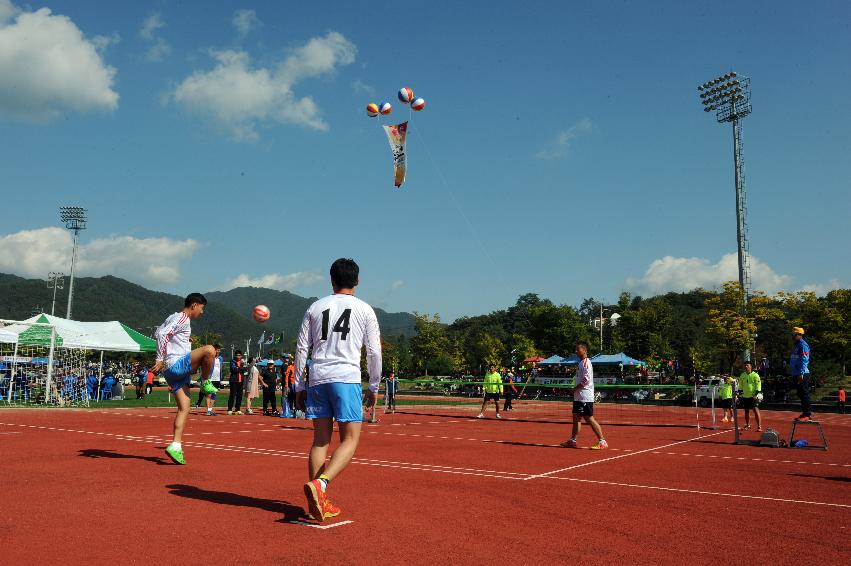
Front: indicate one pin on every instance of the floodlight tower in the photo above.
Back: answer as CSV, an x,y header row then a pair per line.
x,y
74,218
55,281
729,96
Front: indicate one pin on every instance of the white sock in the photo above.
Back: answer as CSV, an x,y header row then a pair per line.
x,y
176,446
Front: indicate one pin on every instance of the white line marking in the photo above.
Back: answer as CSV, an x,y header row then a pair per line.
x,y
700,492
592,462
323,527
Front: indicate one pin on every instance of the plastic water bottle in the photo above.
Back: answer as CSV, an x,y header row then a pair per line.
x,y
801,443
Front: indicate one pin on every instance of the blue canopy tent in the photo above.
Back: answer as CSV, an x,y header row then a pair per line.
x,y
560,361
616,359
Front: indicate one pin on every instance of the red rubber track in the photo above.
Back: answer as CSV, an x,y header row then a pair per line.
x,y
94,486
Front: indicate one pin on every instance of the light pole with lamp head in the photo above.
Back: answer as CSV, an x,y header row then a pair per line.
x,y
55,281
729,96
75,219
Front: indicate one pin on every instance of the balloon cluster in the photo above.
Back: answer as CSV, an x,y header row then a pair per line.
x,y
406,96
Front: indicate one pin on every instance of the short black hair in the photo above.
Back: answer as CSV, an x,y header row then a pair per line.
x,y
344,273
583,344
194,299
748,362
217,346
238,353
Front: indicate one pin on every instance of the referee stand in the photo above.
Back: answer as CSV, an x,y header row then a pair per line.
x,y
795,423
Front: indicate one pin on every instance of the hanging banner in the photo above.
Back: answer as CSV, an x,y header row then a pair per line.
x,y
396,135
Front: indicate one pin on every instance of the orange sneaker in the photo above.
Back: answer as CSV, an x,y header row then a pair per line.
x,y
329,510
316,501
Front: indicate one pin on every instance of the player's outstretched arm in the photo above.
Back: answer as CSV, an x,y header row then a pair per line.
x,y
373,353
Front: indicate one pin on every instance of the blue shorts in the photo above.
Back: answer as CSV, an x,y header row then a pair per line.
x,y
342,401
179,373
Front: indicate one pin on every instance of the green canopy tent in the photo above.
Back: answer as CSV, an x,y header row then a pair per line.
x,y
111,336
51,333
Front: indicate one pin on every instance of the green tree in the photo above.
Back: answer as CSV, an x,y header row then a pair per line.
x,y
524,347
490,351
206,338
729,327
430,341
701,358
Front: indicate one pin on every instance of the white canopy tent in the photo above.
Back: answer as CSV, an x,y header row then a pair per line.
x,y
109,336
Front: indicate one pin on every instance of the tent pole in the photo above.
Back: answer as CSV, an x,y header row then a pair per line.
x,y
50,365
100,377
14,371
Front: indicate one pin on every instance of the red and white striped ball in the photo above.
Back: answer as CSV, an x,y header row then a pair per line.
x,y
385,108
406,95
372,109
418,104
261,313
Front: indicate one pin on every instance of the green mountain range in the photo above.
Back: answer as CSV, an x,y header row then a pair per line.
x,y
228,312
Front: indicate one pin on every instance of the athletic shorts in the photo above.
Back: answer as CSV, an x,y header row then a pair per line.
x,y
342,401
583,408
748,402
179,373
489,396
213,396
726,403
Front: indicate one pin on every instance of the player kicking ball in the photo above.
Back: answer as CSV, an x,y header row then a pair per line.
x,y
583,400
178,362
335,328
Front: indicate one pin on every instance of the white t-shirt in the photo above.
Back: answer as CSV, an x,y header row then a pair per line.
x,y
173,338
336,327
584,388
216,374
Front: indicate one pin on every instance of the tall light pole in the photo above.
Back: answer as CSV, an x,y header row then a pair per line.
x,y
729,96
55,281
74,218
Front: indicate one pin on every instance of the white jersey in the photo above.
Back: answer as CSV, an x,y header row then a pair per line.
x,y
336,327
584,388
216,374
173,338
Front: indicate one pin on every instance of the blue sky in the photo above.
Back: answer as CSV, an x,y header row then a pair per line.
x,y
563,149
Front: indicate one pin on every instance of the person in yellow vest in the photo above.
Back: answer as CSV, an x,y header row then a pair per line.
x,y
750,385
492,387
725,395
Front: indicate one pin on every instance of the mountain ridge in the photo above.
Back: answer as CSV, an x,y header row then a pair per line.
x,y
227,313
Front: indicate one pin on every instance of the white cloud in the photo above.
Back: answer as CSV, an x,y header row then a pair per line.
x,y
239,98
158,47
245,21
563,140
687,273
396,285
49,67
275,281
360,87
102,42
561,143
822,289
33,253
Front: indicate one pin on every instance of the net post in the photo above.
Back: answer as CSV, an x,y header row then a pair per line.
x,y
84,382
49,381
733,404
14,372
713,390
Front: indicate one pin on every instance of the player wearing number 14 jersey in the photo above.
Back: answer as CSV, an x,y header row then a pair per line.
x,y
335,328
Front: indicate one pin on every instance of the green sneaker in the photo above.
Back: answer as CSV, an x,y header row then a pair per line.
x,y
176,455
